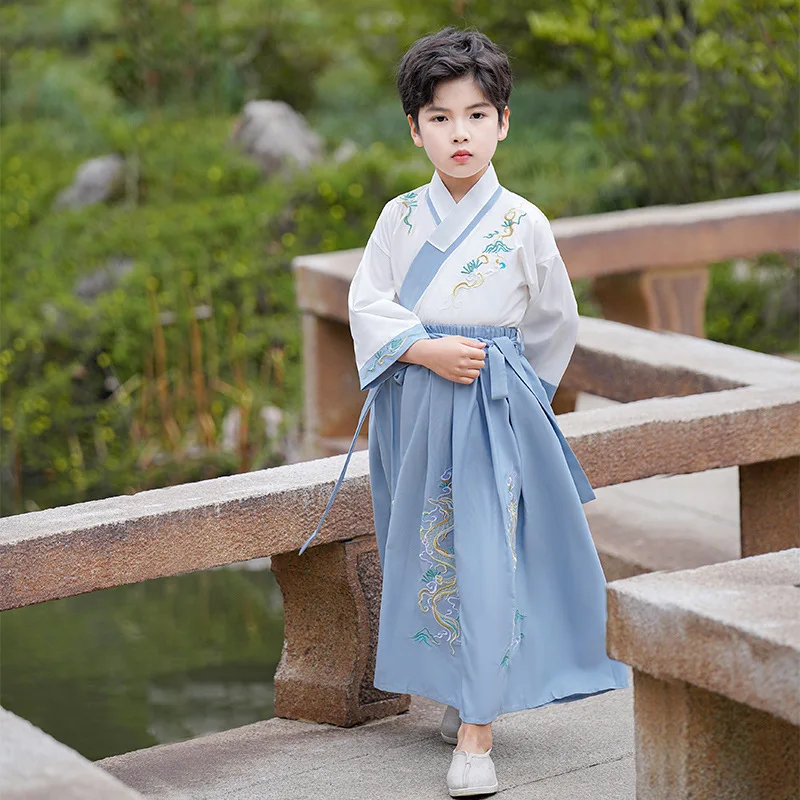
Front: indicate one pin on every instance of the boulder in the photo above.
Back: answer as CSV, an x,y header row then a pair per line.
x,y
96,181
277,136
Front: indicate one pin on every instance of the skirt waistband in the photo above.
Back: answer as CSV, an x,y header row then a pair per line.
x,y
483,332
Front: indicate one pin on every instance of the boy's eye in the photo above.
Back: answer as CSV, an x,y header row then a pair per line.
x,y
440,118
478,114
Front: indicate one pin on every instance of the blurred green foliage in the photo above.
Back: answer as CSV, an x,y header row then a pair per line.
x,y
216,236
757,305
699,100
127,388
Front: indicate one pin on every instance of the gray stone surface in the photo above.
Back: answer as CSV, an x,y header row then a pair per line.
x,y
666,522
668,351
66,551
611,780
310,476
693,744
680,435
556,751
731,628
34,766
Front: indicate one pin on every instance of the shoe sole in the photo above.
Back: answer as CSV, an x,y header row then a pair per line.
x,y
474,790
450,739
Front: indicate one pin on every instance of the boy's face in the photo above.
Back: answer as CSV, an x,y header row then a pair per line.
x,y
459,129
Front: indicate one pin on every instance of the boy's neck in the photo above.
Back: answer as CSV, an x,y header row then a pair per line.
x,y
458,187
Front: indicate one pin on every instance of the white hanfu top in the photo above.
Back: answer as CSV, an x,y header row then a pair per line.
x,y
490,259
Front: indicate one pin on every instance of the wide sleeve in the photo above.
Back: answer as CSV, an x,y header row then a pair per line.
x,y
550,324
382,329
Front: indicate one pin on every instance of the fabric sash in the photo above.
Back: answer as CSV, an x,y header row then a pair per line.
x,y
513,357
367,406
501,350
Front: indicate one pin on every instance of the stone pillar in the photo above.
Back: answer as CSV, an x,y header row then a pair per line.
x,y
769,506
564,400
692,743
657,299
333,399
331,602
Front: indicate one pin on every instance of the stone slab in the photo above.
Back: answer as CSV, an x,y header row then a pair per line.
x,y
666,523
34,766
668,352
731,628
400,757
692,743
609,780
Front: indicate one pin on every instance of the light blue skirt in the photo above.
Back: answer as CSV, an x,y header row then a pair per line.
x,y
493,593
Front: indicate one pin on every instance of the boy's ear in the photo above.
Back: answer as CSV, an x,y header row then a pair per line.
x,y
503,129
414,132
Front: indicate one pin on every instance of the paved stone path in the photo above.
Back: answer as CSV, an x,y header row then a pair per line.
x,y
573,751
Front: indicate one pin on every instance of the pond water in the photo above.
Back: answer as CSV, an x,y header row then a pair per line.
x,y
154,662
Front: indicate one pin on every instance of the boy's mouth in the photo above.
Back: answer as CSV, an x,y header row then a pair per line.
x,y
461,156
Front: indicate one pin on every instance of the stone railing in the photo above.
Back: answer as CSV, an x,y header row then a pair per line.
x,y
716,658
691,405
648,267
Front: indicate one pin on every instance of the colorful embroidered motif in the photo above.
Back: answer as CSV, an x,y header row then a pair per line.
x,y
387,351
424,635
439,594
409,200
511,508
491,256
516,637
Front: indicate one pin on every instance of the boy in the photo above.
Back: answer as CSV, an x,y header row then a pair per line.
x,y
464,320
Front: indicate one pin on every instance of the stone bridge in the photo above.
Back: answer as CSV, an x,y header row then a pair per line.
x,y
715,650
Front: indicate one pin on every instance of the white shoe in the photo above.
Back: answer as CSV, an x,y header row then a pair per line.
x,y
451,722
471,774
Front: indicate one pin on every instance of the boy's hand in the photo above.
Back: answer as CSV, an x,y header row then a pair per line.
x,y
456,358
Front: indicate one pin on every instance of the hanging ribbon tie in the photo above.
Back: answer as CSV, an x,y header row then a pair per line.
x,y
498,379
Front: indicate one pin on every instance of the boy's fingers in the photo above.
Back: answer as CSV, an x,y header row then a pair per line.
x,y
473,342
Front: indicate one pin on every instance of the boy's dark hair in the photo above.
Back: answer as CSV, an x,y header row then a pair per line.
x,y
452,53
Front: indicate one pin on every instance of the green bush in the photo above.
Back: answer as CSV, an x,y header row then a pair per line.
x,y
67,23
43,83
697,101
755,305
100,396
201,55
215,54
